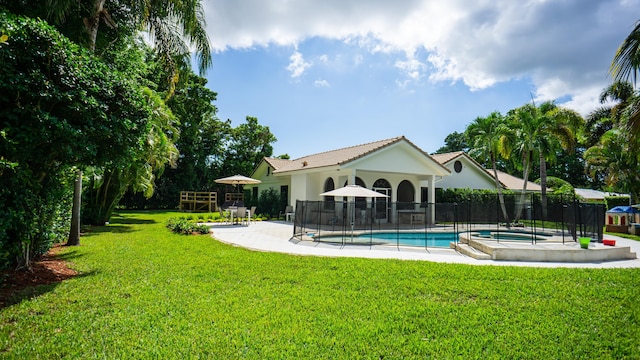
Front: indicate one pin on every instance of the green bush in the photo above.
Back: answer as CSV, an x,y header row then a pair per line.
x,y
613,201
183,225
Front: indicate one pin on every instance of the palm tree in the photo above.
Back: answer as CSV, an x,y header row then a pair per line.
x,y
542,130
168,22
485,135
617,161
111,183
626,62
624,67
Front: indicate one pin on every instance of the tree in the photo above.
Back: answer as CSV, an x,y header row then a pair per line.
x,y
454,142
168,22
486,136
138,171
250,143
542,130
202,146
60,108
616,160
626,62
625,67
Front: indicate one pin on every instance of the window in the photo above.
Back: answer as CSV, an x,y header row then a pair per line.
x,y
457,166
361,203
329,201
406,195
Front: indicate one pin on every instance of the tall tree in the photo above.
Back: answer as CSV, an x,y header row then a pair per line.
x,y
139,170
626,62
454,142
616,159
168,22
250,143
486,136
543,131
60,107
625,67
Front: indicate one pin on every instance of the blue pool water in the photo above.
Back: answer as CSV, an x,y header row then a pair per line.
x,y
440,239
430,239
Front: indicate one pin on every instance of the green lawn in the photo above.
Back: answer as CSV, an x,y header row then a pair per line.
x,y
147,293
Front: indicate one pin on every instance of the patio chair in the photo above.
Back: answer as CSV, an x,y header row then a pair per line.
x,y
252,213
241,214
288,213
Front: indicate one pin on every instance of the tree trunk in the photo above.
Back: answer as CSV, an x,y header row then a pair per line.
x,y
526,163
499,189
543,185
93,23
74,234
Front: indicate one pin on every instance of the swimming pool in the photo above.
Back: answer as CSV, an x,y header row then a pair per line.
x,y
508,235
431,239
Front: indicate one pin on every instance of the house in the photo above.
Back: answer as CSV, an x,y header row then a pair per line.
x,y
395,167
591,195
467,173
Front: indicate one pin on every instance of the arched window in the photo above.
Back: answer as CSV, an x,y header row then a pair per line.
x,y
359,182
382,184
406,195
329,201
361,203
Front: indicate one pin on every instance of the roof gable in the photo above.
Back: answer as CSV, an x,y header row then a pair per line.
x,y
447,158
334,157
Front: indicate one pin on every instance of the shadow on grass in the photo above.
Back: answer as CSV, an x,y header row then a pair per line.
x,y
41,282
128,219
119,224
95,230
68,255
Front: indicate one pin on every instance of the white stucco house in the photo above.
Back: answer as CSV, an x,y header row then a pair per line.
x,y
395,167
467,173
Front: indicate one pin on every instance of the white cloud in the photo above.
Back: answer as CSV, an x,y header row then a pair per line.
x,y
563,47
297,65
321,83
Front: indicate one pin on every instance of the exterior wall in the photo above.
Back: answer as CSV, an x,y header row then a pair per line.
x,y
298,188
399,158
269,181
469,178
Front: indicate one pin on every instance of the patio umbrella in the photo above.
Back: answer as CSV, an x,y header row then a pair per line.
x,y
354,191
237,180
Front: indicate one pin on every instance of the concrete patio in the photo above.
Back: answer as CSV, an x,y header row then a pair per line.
x,y
276,236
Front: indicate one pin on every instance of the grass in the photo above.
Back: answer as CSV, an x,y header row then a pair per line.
x,y
145,292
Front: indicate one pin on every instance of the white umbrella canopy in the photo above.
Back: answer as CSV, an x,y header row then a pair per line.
x,y
354,191
237,180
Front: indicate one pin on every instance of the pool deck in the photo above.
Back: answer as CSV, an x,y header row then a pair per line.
x,y
276,236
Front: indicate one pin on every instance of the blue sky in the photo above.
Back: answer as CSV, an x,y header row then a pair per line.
x,y
336,73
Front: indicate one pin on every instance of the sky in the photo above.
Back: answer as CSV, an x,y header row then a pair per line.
x,y
328,74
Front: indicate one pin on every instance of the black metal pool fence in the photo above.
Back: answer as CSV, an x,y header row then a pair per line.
x,y
342,221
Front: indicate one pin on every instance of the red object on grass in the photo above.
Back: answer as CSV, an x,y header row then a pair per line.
x,y
609,242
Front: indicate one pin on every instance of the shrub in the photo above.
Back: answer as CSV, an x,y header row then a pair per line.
x,y
184,225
